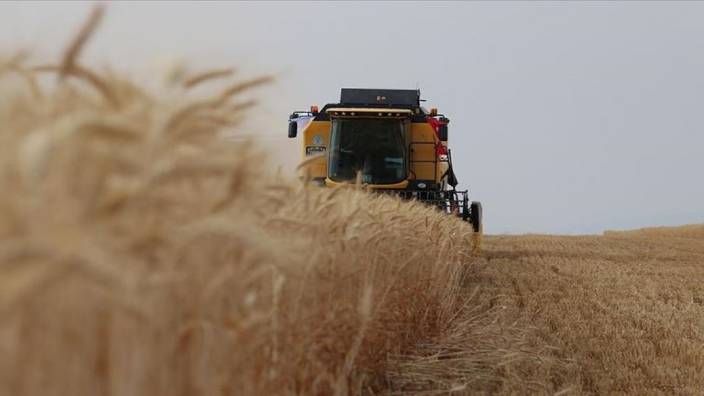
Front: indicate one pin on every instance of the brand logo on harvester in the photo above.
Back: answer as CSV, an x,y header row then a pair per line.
x,y
380,98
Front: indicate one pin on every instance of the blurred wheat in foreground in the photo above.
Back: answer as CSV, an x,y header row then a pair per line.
x,y
143,254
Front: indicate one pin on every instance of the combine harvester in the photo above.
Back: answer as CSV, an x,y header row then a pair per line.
x,y
385,140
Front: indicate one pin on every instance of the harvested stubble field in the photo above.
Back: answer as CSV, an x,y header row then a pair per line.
x,y
141,253
624,311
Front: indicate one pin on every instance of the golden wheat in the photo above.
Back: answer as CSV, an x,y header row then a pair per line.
x,y
623,310
142,254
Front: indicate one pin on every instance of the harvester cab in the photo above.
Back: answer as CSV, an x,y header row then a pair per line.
x,y
385,140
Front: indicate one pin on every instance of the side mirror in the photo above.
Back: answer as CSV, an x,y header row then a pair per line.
x,y
442,132
292,128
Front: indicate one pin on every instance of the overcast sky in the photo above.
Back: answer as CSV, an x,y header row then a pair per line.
x,y
572,117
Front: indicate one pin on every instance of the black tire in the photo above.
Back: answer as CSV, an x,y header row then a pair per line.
x,y
475,215
465,211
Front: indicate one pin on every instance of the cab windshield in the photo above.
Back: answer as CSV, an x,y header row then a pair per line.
x,y
373,147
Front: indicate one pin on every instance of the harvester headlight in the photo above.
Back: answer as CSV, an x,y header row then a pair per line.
x,y
421,185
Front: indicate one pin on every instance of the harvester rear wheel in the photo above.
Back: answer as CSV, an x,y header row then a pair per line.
x,y
475,215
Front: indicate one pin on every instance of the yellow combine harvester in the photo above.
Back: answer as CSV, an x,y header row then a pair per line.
x,y
384,139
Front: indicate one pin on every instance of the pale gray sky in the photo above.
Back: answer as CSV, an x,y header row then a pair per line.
x,y
566,117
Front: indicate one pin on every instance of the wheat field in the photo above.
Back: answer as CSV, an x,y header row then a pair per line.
x,y
142,253
623,310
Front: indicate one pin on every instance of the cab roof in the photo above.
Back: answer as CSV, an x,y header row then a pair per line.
x,y
368,111
380,97
372,99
